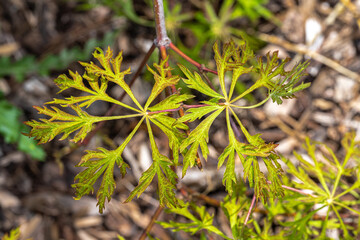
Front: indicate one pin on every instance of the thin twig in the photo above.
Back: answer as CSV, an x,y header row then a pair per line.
x,y
151,223
209,200
315,55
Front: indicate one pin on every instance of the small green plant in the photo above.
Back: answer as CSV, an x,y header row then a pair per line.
x,y
11,128
68,119
298,215
13,235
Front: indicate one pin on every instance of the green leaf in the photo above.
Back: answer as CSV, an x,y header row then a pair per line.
x,y
171,128
303,176
166,177
299,229
194,81
11,129
101,162
14,234
162,80
18,69
198,137
61,123
204,222
96,91
233,206
144,182
9,121
172,102
196,113
281,83
233,58
110,70
248,154
64,123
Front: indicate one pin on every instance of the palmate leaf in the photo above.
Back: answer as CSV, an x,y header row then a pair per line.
x,y
204,221
162,80
110,70
101,162
248,154
198,137
161,167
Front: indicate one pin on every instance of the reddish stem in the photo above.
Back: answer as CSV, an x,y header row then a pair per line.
x,y
250,210
193,62
295,190
178,109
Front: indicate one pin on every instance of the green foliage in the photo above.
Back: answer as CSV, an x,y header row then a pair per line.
x,y
94,83
198,219
295,216
326,169
13,235
11,129
203,222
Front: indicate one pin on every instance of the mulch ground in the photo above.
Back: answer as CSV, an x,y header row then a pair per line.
x,y
37,196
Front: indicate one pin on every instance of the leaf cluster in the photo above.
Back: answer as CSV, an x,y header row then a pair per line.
x,y
328,201
189,143
326,176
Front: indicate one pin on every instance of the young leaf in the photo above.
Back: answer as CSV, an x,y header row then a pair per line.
x,y
198,137
171,128
196,113
233,58
144,182
110,70
61,123
65,123
281,83
96,92
172,102
204,222
162,80
166,176
101,162
194,81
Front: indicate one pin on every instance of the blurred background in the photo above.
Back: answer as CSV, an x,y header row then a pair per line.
x,y
41,39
